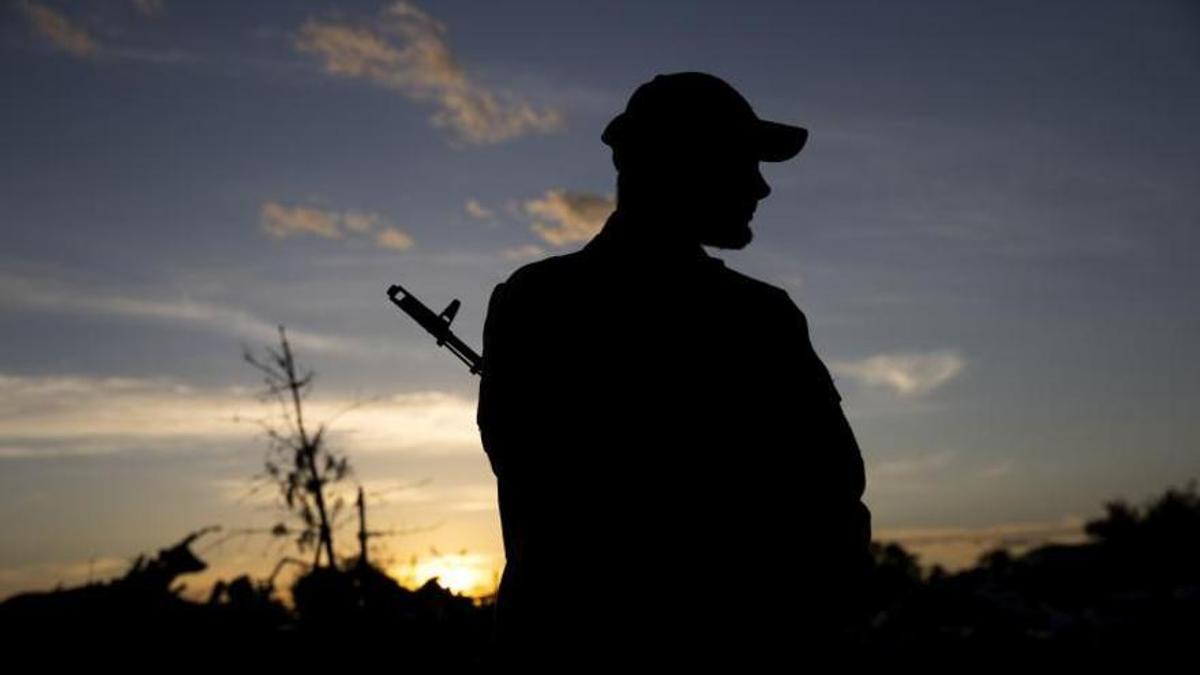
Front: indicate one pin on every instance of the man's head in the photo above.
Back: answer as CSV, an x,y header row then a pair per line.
x,y
687,149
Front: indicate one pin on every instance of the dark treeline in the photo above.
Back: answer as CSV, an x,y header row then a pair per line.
x,y
1134,584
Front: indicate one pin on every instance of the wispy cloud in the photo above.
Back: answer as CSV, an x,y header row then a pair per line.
x,y
522,252
149,7
906,374
358,221
925,473
89,35
56,415
283,221
564,217
59,30
407,50
916,466
997,470
53,296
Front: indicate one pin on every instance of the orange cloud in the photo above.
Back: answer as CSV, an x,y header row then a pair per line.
x,y
395,239
282,221
58,30
572,216
407,50
477,210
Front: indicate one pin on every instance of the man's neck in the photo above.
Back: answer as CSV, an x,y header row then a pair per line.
x,y
653,232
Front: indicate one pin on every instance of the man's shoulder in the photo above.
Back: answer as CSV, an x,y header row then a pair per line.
x,y
750,284
549,269
538,282
758,291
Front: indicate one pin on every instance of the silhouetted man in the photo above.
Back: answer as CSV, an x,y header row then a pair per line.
x,y
677,482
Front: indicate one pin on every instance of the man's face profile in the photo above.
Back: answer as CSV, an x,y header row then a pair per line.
x,y
720,192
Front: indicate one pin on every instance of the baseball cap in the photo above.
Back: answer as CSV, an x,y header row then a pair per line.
x,y
692,108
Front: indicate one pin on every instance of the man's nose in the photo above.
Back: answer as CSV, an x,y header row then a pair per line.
x,y
761,187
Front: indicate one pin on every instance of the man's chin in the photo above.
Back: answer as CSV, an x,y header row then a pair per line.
x,y
733,238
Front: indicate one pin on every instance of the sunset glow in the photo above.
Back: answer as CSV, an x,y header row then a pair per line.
x,y
463,573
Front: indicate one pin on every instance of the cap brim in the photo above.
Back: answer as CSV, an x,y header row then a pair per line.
x,y
778,142
614,130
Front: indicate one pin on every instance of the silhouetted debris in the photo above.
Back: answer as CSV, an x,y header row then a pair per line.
x,y
144,601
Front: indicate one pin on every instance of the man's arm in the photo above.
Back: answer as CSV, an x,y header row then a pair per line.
x,y
504,426
494,408
850,519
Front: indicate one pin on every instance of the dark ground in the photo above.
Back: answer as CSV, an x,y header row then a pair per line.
x,y
1133,588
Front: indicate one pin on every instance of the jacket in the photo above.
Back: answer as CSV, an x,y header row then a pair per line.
x,y
672,461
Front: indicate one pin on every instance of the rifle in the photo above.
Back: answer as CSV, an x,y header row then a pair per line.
x,y
437,325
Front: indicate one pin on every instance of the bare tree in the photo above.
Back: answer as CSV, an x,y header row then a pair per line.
x,y
298,460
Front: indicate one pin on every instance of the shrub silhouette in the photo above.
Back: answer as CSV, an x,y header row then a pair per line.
x,y
299,461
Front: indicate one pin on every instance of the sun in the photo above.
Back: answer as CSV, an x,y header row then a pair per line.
x,y
463,573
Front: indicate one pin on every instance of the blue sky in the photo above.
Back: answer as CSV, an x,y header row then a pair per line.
x,y
992,231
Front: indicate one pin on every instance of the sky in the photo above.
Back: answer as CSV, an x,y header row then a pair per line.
x,y
992,232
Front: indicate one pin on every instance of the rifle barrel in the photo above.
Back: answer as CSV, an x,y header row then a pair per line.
x,y
436,326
